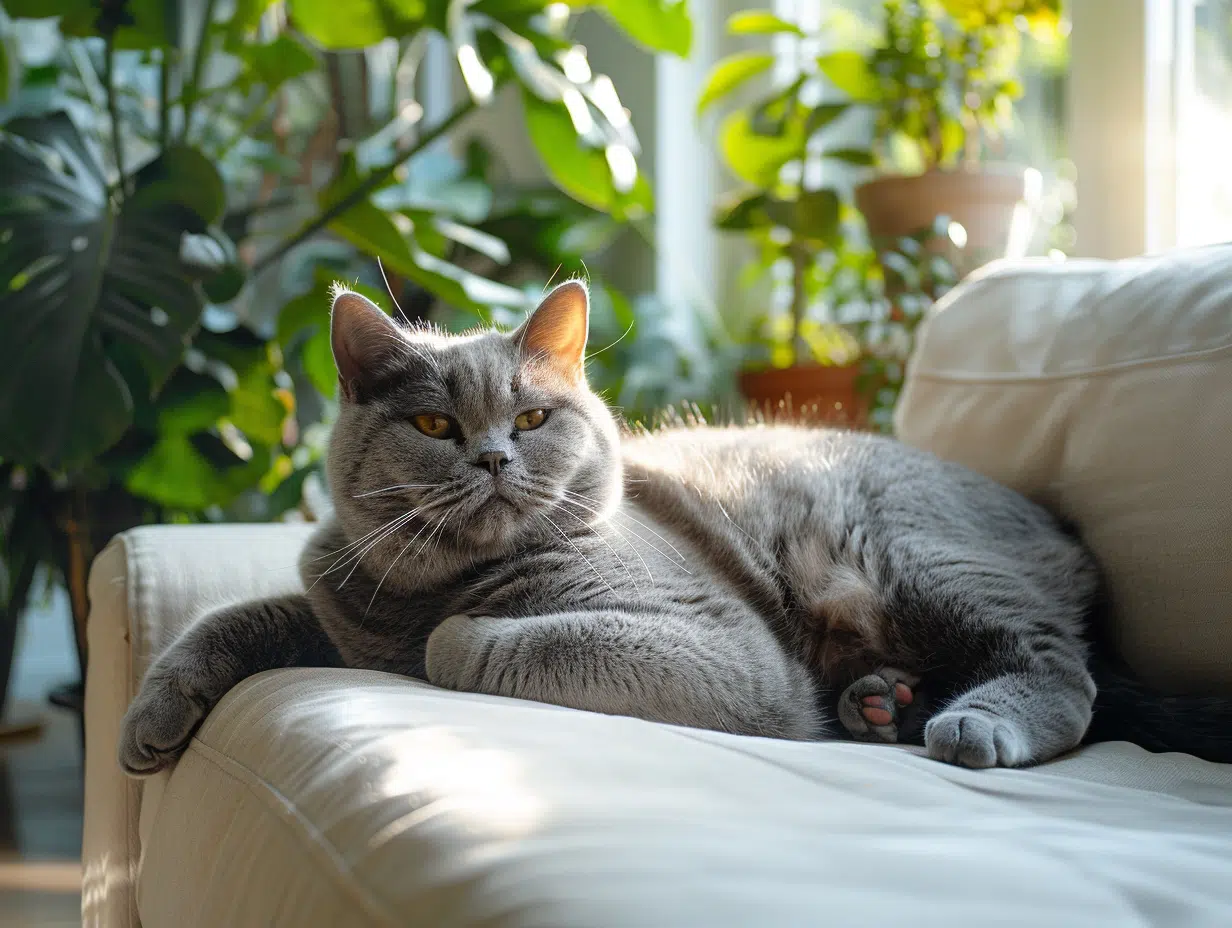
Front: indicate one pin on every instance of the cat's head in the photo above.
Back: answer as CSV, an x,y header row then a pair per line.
x,y
490,438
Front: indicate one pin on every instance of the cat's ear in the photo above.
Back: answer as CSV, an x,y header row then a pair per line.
x,y
366,342
556,331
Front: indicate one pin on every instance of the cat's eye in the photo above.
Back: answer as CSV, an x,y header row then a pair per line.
x,y
435,425
531,419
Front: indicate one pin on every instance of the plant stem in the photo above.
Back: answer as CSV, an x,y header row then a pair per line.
x,y
10,615
366,187
192,90
113,113
251,121
164,103
80,553
799,297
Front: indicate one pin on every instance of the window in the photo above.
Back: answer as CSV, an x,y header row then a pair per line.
x,y
1202,116
1037,139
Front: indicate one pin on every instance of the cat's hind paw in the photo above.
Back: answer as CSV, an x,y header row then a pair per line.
x,y
871,708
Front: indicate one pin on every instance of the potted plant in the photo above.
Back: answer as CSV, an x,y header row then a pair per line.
x,y
155,178
803,231
942,81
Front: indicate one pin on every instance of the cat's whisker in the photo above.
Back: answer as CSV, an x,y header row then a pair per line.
x,y
386,528
358,559
358,541
619,514
391,566
390,291
578,551
612,345
590,528
399,486
620,533
434,534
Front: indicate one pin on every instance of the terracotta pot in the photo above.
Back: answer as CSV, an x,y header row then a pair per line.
x,y
812,393
995,204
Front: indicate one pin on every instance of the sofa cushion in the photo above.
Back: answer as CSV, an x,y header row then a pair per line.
x,y
146,587
324,798
1104,391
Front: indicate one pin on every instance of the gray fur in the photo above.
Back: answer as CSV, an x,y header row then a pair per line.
x,y
740,579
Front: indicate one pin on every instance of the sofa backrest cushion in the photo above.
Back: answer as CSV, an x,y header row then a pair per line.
x,y
1103,390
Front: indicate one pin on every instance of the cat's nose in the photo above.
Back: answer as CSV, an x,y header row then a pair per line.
x,y
492,461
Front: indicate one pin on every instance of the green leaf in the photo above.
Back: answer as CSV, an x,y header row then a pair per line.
x,y
821,116
97,305
195,472
288,493
364,225
273,64
256,409
850,73
191,402
730,73
10,64
306,312
953,141
248,14
816,215
317,356
857,156
574,167
742,212
254,406
477,240
755,158
374,233
760,22
378,235
143,23
356,23
659,25
309,313
182,177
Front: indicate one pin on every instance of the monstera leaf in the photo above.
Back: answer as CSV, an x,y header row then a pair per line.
x,y
96,299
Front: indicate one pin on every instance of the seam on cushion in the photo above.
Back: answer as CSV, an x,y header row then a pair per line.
x,y
1119,367
132,575
306,833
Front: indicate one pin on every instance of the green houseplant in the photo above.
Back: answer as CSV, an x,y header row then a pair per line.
x,y
807,232
167,163
941,82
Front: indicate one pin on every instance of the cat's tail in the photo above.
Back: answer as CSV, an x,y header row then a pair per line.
x,y
1126,710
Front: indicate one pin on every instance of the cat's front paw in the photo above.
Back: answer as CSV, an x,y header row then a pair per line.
x,y
976,738
457,655
158,726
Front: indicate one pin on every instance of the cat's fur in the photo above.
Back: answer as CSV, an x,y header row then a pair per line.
x,y
727,578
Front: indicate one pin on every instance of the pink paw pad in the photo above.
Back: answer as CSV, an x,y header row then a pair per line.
x,y
875,711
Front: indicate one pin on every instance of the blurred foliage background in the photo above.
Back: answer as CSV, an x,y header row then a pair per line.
x,y
181,182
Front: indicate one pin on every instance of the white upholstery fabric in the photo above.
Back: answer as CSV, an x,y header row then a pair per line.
x,y
145,588
1104,390
357,798
335,798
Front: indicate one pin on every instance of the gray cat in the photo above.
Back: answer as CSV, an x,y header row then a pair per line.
x,y
495,532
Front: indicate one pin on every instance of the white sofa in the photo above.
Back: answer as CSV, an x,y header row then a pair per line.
x,y
338,798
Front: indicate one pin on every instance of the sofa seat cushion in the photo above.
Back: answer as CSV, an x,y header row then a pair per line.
x,y
337,797
1103,389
